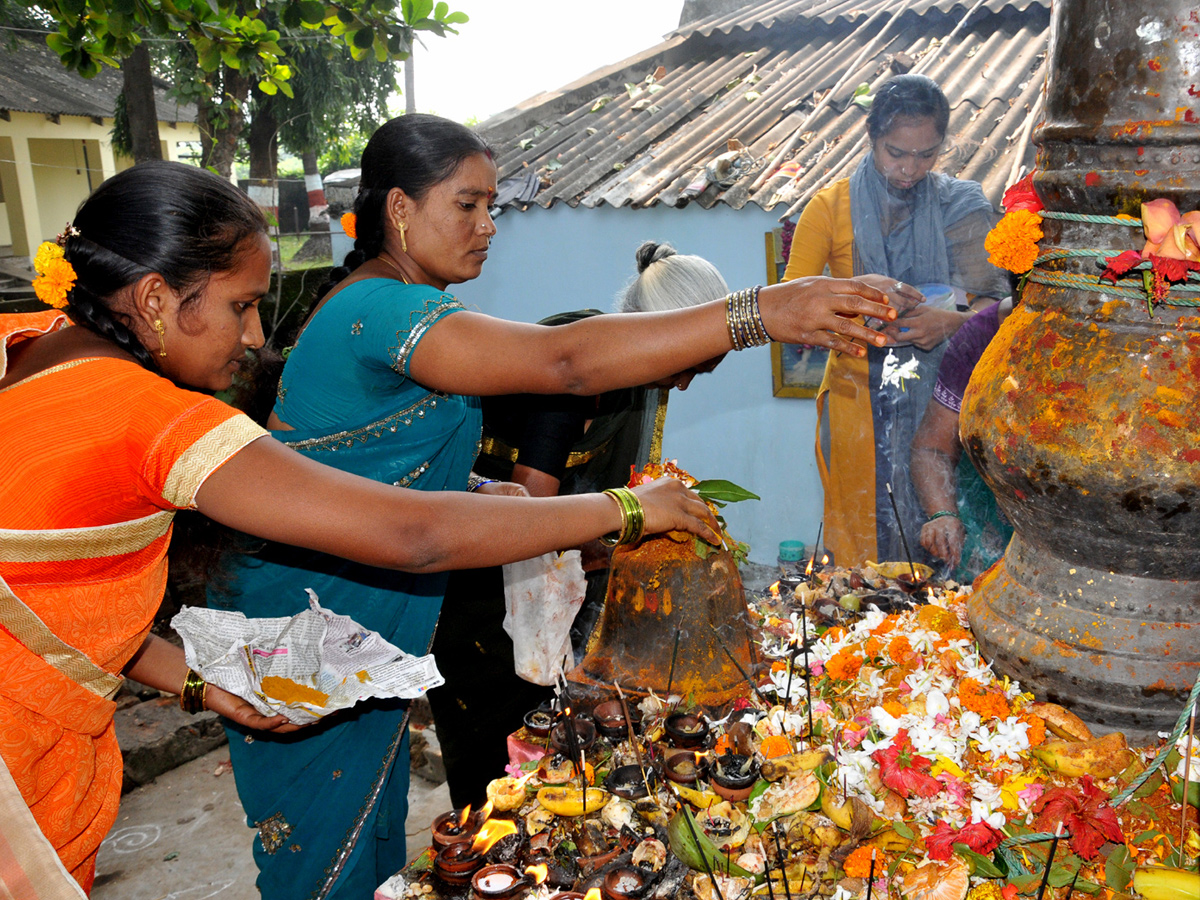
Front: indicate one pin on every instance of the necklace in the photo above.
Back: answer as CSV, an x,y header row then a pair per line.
x,y
387,259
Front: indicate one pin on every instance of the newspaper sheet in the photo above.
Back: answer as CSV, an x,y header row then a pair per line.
x,y
303,667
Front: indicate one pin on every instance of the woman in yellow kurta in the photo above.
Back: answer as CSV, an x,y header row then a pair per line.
x,y
894,224
103,438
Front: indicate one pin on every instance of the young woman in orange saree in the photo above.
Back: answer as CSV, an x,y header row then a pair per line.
x,y
103,438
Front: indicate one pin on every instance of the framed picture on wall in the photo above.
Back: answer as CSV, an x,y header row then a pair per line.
x,y
796,369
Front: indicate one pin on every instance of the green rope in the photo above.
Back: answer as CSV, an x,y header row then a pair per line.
x,y
1162,754
1081,217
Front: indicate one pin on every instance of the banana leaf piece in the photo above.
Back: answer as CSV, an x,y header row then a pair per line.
x,y
695,848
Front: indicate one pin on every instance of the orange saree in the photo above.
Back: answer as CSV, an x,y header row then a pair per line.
x,y
99,454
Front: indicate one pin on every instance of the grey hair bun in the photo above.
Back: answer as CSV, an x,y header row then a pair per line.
x,y
651,252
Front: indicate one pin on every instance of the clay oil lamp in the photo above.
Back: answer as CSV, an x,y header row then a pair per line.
x,y
631,781
454,827
686,731
456,864
498,882
911,582
611,722
733,775
538,722
625,883
585,733
684,766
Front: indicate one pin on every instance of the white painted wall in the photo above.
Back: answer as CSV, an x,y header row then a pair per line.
x,y
727,424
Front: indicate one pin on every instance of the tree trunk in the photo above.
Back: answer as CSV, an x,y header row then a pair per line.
x,y
139,105
318,206
225,138
410,83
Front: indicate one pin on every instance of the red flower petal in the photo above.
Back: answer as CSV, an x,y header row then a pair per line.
x,y
1022,196
1119,265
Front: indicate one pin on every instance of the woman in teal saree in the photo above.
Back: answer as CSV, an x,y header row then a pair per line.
x,y
384,382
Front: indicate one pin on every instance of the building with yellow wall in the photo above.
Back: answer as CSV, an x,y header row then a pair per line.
x,y
56,140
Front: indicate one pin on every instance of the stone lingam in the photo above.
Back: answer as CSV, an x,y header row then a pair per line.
x,y
658,629
1083,414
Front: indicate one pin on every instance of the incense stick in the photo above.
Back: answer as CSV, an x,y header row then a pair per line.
x,y
674,656
807,673
903,539
787,888
1187,783
871,874
637,751
792,650
687,818
1049,860
812,575
738,666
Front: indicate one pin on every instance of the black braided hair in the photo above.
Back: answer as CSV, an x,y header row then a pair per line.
x,y
907,97
413,152
177,221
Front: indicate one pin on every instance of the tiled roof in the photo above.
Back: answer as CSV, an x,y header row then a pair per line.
x,y
32,79
762,76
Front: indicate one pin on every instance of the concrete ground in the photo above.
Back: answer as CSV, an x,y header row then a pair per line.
x,y
183,836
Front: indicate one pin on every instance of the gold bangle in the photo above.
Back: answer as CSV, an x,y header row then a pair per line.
x,y
633,518
614,537
192,694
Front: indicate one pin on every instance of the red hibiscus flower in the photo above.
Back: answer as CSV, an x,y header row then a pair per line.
x,y
902,770
1119,265
1085,814
979,836
1022,196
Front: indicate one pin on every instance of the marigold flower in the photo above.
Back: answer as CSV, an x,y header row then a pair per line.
x,y
989,703
350,225
53,285
47,252
1012,244
901,652
844,665
858,863
934,618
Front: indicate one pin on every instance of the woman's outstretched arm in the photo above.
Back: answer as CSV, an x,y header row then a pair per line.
x,y
273,492
470,353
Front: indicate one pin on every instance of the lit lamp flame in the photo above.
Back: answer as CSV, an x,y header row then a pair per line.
x,y
825,559
808,570
538,872
592,894
492,831
774,589
485,812
523,780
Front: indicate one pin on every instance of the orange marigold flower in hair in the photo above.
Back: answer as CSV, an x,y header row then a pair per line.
x,y
53,285
1012,244
47,252
350,225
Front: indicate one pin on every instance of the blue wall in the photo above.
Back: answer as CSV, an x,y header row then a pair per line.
x,y
727,424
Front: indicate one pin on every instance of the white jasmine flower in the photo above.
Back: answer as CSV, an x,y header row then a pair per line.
x,y
1009,738
985,812
895,374
936,703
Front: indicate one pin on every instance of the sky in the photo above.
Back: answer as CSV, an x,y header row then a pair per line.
x,y
510,51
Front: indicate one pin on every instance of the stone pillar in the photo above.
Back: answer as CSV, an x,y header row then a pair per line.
x,y
1082,414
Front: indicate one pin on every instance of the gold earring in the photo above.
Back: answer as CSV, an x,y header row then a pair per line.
x,y
162,330
403,226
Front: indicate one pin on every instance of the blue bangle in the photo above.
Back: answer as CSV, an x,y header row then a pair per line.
x,y
944,512
475,482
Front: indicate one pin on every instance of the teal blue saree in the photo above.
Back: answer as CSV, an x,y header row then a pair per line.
x,y
329,802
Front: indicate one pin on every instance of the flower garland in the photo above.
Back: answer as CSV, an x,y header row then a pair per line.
x,y
56,276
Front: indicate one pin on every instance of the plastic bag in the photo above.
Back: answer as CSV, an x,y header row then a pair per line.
x,y
541,597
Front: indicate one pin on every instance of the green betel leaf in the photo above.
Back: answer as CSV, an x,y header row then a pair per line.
x,y
980,864
903,830
1118,870
718,489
